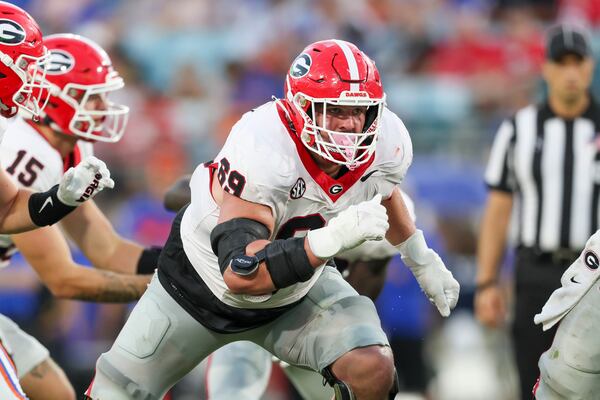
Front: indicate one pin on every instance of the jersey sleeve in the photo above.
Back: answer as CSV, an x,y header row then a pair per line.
x,y
500,171
395,154
250,167
29,159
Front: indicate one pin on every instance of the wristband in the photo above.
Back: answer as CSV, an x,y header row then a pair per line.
x,y
46,209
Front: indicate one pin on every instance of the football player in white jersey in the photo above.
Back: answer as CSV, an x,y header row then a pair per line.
x,y
570,368
242,370
236,266
36,154
21,86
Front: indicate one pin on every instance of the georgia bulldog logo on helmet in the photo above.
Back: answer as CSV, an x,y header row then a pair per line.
x,y
300,66
22,55
334,73
59,62
11,33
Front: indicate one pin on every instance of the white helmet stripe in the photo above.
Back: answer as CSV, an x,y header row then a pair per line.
x,y
352,66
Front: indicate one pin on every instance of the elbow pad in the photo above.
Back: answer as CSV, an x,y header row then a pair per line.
x,y
230,238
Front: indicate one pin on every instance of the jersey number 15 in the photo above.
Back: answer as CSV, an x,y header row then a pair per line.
x,y
31,169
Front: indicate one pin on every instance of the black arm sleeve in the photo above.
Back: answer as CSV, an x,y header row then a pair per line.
x,y
46,209
230,238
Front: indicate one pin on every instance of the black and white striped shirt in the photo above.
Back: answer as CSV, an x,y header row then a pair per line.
x,y
552,165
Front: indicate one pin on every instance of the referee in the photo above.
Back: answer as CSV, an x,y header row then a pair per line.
x,y
546,162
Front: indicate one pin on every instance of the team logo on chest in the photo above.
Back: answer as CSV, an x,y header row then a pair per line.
x,y
335,189
298,189
591,260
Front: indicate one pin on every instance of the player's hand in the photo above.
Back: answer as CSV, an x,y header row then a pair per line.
x,y
490,306
84,181
358,223
428,268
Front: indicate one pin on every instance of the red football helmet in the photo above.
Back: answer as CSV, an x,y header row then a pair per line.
x,y
81,75
335,73
22,52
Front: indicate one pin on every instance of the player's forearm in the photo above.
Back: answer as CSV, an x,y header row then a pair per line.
x,y
100,286
260,282
15,213
123,258
492,236
401,223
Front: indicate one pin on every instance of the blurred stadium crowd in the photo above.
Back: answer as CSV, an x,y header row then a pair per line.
x,y
452,69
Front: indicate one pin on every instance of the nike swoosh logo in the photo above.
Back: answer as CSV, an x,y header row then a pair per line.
x,y
573,280
48,201
364,178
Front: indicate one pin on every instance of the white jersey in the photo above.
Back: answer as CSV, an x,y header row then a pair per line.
x,y
34,164
264,162
5,124
3,127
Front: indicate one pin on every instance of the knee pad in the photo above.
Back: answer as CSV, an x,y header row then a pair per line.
x,y
342,389
124,385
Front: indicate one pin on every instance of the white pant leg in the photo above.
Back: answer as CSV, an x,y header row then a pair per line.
x,y
158,345
240,370
10,389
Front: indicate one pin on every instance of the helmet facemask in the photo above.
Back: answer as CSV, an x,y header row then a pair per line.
x,y
34,92
105,124
350,149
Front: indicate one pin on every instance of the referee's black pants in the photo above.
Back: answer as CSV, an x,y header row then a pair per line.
x,y
536,277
